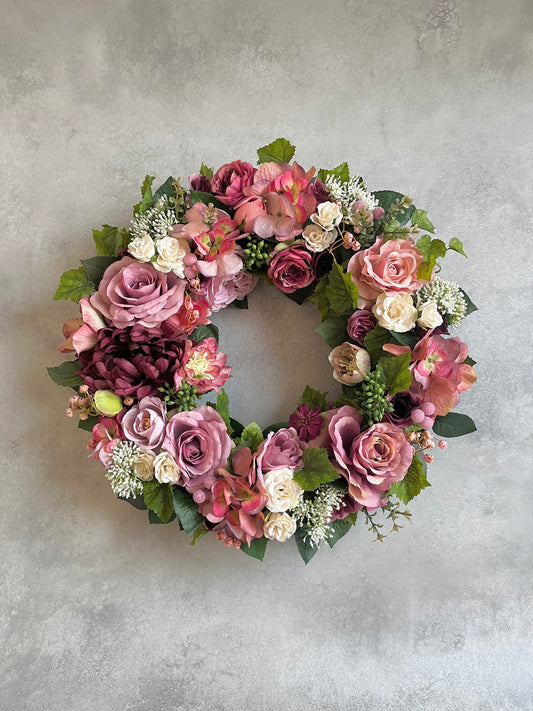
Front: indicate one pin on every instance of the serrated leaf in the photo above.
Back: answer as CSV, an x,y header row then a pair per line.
x,y
223,409
396,373
167,189
342,172
412,483
316,470
202,332
374,342
470,306
207,199
279,151
147,199
274,428
387,198
333,330
320,299
187,510
205,171
457,246
65,374
96,266
158,498
198,533
341,292
313,398
420,218
252,436
431,249
109,240
305,549
454,424
154,518
340,526
74,285
256,549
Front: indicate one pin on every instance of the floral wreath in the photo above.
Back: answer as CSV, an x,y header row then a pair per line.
x,y
147,353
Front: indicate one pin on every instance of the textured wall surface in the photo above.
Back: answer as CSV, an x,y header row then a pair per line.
x,y
99,610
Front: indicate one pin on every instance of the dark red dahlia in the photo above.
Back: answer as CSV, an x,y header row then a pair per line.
x,y
307,421
131,361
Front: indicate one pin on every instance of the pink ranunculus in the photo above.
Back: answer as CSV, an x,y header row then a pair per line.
x,y
104,437
145,422
199,442
389,267
230,180
131,293
291,269
440,374
203,366
280,449
247,211
360,323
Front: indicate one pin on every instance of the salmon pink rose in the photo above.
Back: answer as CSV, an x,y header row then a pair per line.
x,y
228,183
291,269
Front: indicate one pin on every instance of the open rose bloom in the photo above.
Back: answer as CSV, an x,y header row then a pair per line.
x,y
149,366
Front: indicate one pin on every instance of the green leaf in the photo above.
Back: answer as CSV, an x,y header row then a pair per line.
x,y
223,408
313,398
274,428
469,361
454,424
374,342
65,374
158,498
240,303
317,469
88,424
320,299
340,529
300,295
137,502
198,533
96,266
457,246
396,372
207,199
167,189
187,510
470,306
147,200
420,218
333,331
305,549
205,171
154,518
387,198
342,172
73,285
412,483
202,332
408,338
432,249
236,427
279,151
341,292
256,549
252,436
109,240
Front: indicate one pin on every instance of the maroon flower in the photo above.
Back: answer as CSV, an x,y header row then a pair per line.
x,y
131,361
403,404
307,421
319,191
200,182
291,269
359,324
230,180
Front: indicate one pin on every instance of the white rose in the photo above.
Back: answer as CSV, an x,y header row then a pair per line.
x,y
143,465
328,215
170,255
317,239
429,316
166,469
279,527
282,491
395,312
142,248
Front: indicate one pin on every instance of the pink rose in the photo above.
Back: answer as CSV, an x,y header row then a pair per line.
x,y
228,182
280,449
199,442
220,291
131,293
145,423
388,267
360,323
291,269
248,210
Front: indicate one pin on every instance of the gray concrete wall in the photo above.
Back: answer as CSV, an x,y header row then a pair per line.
x,y
100,611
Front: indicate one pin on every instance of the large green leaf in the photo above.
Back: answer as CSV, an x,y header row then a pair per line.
x,y
341,292
396,373
420,218
158,498
65,374
200,333
313,398
167,189
305,549
74,285
333,331
342,172
109,240
256,549
387,198
154,518
187,510
223,408
374,342
412,484
340,529
279,151
147,199
454,424
316,470
96,266
432,249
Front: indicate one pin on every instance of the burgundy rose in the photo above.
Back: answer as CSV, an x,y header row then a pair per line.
x,y
145,423
230,180
131,292
291,269
403,404
319,191
200,182
360,323
280,449
322,263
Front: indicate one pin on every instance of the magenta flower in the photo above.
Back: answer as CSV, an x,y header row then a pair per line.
x,y
307,421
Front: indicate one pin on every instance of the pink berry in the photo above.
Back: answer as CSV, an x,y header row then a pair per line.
x,y
429,408
442,444
418,415
427,422
190,259
428,458
199,496
378,213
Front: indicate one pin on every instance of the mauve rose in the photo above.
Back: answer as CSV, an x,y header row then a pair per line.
x,y
291,269
198,440
403,403
388,267
145,423
131,293
360,323
220,291
200,182
280,449
230,180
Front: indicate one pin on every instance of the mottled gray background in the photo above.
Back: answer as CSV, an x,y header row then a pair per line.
x,y
102,612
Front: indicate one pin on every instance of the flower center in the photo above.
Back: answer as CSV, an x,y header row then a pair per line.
x,y
199,364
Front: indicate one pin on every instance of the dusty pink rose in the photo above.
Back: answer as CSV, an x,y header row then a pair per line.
x,y
247,211
228,183
145,423
220,291
291,269
131,293
388,267
203,366
199,442
360,323
280,449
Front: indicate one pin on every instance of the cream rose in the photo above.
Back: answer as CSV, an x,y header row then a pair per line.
x,y
142,248
166,470
350,363
429,316
317,239
279,527
171,252
328,215
143,465
395,312
282,491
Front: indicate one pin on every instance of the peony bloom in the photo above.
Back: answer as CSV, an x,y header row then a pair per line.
x,y
386,266
282,491
199,442
203,366
104,437
280,449
279,527
131,293
228,183
350,363
145,422
82,333
396,312
440,374
307,422
360,323
291,269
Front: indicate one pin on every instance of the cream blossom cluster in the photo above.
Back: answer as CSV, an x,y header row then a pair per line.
x,y
121,473
314,515
347,193
283,494
447,298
